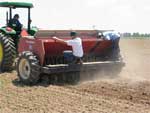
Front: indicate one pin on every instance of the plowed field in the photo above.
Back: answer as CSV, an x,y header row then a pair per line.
x,y
126,92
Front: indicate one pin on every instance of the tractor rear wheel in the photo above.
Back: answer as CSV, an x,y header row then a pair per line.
x,y
28,74
7,53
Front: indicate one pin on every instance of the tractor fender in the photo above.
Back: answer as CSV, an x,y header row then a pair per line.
x,y
7,30
33,45
33,30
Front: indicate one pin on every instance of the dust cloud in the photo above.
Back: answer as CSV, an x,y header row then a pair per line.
x,y
136,56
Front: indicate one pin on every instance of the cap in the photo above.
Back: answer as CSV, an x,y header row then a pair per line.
x,y
73,33
16,15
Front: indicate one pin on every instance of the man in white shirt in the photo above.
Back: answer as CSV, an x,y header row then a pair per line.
x,y
76,44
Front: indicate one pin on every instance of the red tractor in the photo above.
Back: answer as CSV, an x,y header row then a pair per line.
x,y
40,54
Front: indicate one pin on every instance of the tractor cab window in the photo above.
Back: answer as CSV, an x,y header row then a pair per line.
x,y
19,20
15,23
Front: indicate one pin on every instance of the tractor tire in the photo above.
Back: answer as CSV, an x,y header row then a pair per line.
x,y
7,53
28,74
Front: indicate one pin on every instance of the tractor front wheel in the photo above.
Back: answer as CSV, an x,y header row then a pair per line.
x,y
27,73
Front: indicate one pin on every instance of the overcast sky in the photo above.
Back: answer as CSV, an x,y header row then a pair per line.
x,y
120,15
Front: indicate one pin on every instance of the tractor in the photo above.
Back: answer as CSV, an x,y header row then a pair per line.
x,y
9,36
37,54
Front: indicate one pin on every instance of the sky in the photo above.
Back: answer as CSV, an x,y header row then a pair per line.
x,y
119,15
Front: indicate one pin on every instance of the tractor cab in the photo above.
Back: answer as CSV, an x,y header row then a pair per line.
x,y
11,29
10,35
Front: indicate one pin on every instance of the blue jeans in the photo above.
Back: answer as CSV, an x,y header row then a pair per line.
x,y
70,58
115,48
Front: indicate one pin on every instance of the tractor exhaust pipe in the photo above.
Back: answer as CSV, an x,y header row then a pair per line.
x,y
10,13
7,18
29,20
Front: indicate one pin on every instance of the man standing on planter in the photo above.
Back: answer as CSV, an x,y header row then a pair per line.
x,y
74,56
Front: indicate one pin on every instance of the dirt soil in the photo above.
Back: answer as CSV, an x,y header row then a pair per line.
x,y
126,92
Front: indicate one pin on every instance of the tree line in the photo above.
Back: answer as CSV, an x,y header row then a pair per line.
x,y
136,34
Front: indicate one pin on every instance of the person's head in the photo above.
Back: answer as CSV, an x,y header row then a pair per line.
x,y
100,35
73,34
16,16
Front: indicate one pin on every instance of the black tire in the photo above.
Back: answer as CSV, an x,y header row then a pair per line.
x,y
8,53
27,73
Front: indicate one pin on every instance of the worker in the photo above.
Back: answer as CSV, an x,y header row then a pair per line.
x,y
114,37
109,35
77,50
15,24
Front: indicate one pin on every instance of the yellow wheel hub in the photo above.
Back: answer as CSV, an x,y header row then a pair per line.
x,y
1,53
